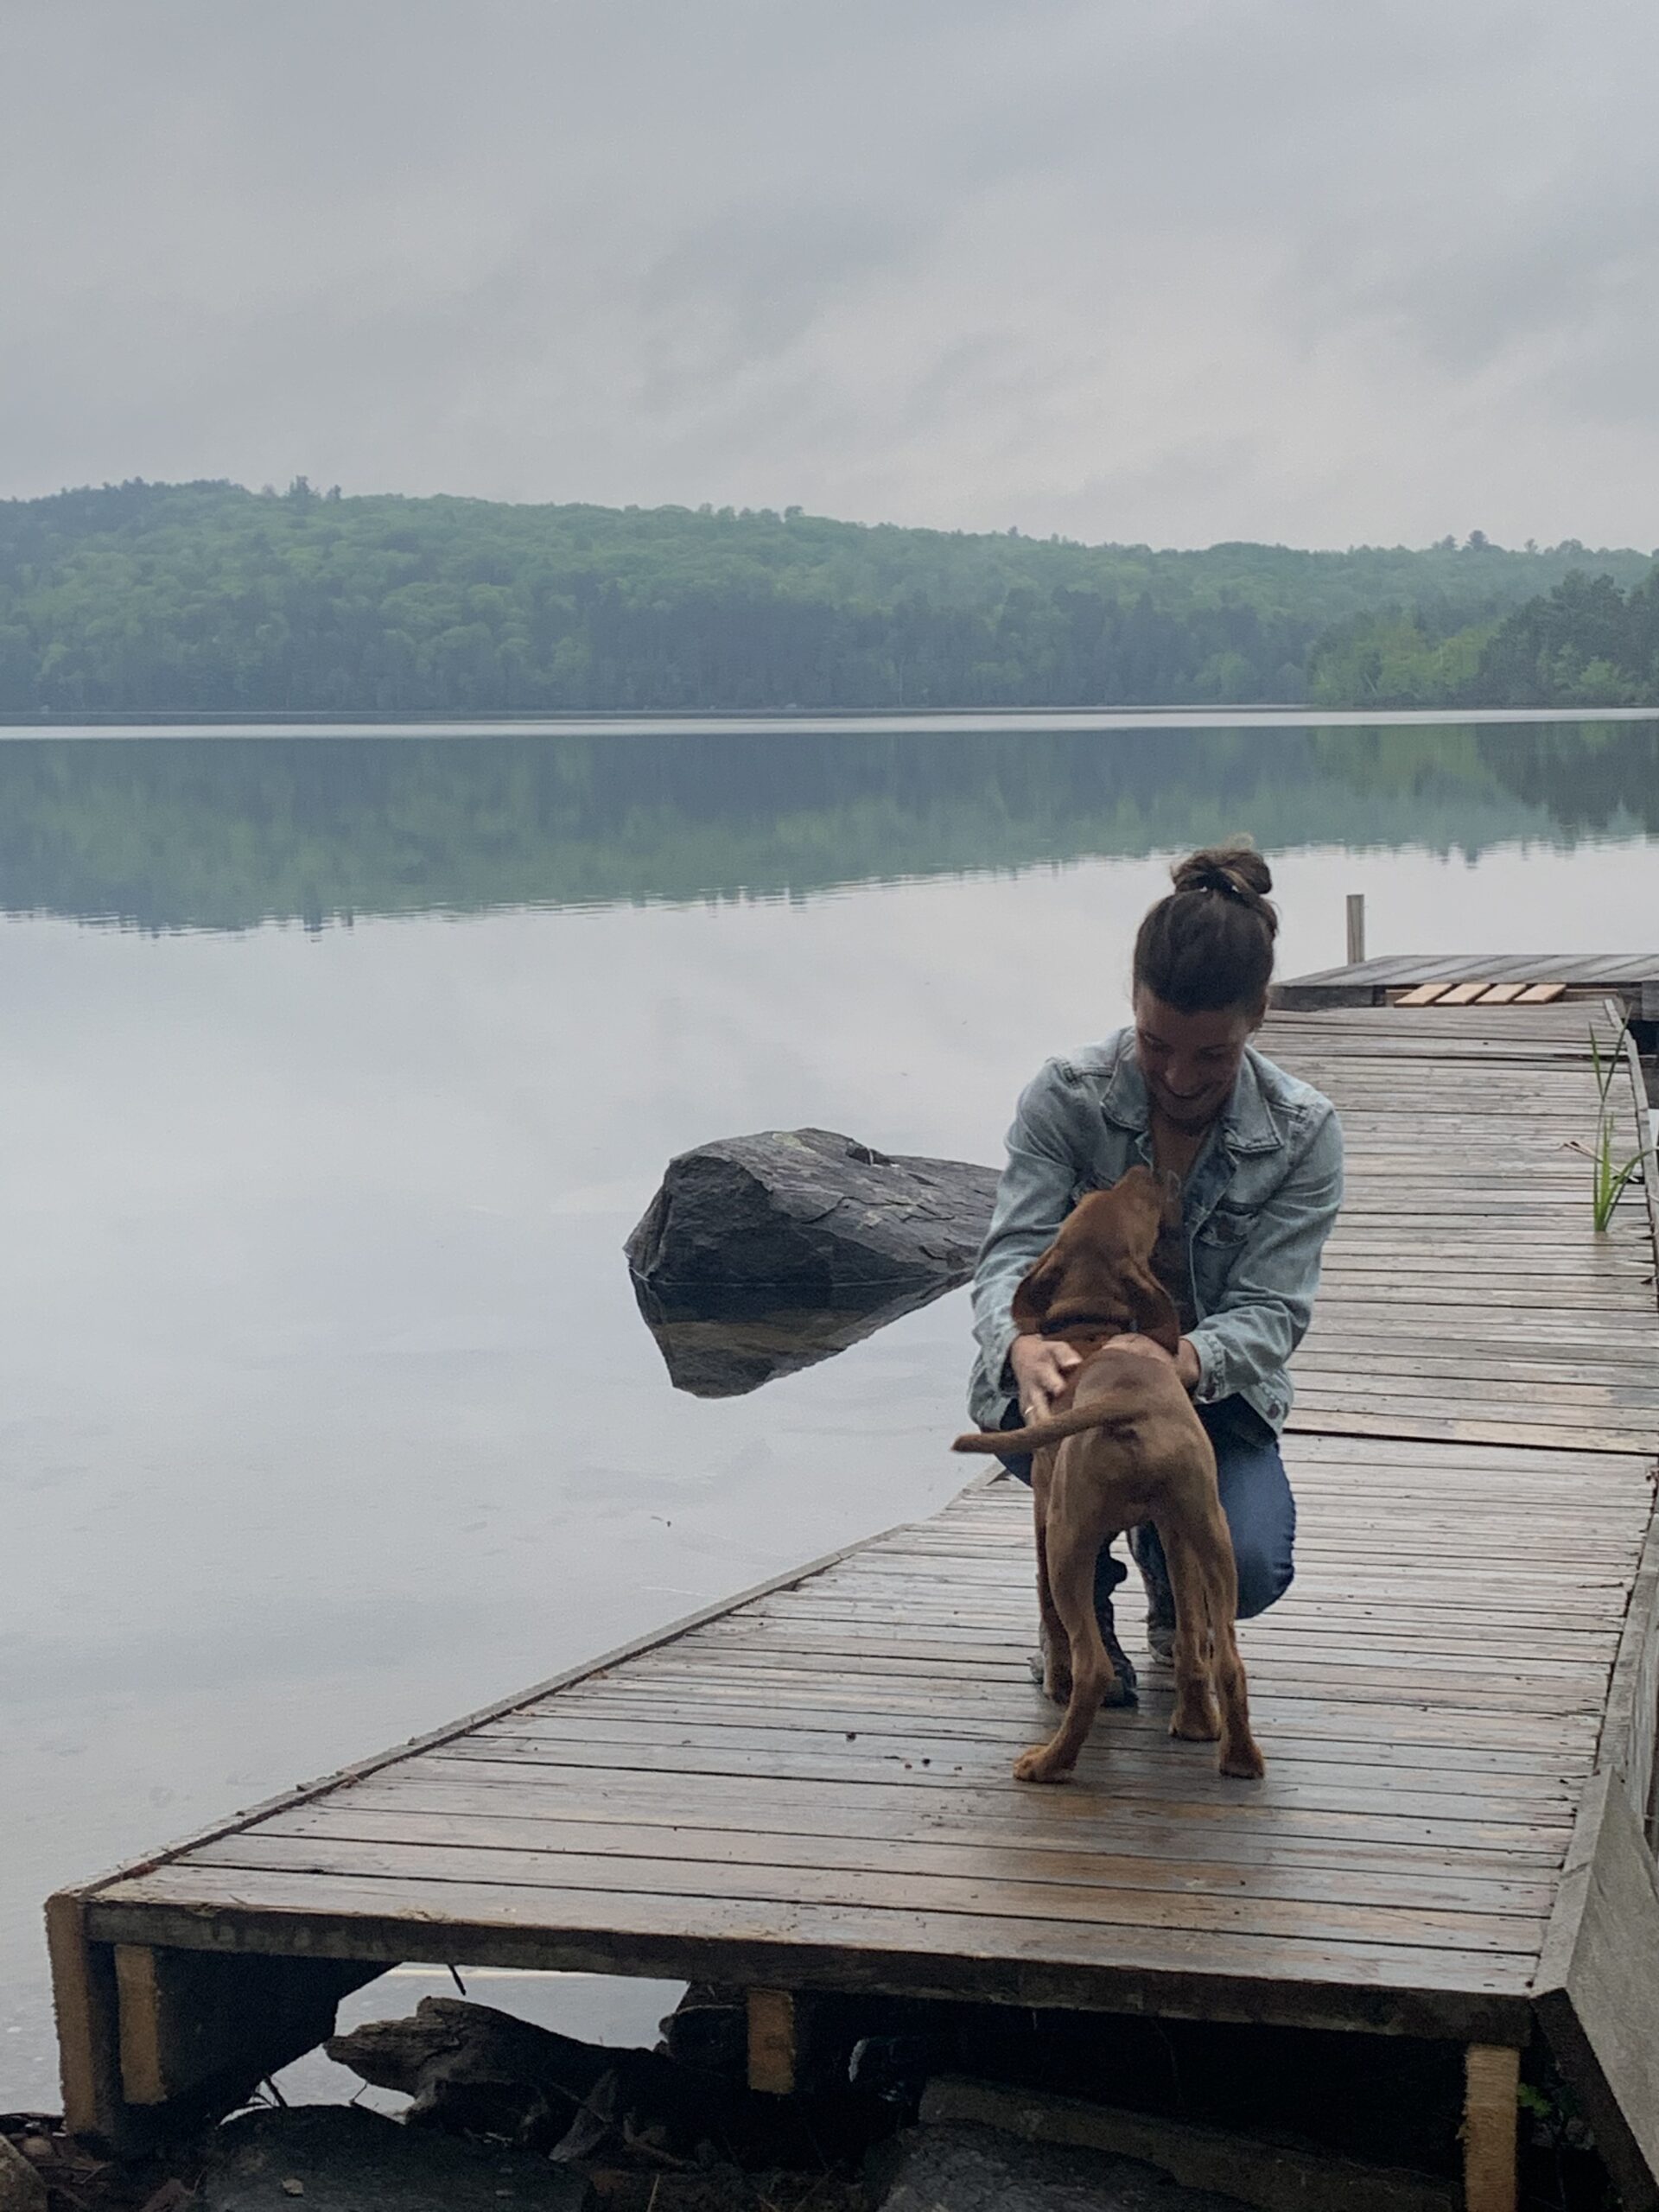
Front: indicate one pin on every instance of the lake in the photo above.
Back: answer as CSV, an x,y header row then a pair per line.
x,y
337,1069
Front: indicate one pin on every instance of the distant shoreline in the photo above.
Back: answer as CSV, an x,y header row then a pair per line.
x,y
440,608
815,722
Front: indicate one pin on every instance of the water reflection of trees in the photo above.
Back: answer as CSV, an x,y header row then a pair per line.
x,y
1590,777
222,833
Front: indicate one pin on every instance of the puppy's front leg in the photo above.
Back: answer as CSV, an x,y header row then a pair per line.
x,y
1072,1552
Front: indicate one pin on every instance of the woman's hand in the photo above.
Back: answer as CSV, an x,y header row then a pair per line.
x,y
1186,1361
1042,1369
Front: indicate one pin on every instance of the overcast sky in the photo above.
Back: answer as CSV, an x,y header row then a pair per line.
x,y
1176,271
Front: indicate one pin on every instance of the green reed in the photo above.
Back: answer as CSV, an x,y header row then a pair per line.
x,y
1608,1180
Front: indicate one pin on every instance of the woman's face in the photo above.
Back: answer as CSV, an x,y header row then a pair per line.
x,y
1190,1061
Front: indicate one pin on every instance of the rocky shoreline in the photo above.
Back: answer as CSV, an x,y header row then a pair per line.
x,y
898,2108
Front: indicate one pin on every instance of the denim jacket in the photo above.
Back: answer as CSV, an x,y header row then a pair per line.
x,y
1256,1209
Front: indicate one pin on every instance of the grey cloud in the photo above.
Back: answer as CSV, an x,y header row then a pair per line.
x,y
741,288
1177,269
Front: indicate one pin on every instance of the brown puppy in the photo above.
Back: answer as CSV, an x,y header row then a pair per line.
x,y
1130,1448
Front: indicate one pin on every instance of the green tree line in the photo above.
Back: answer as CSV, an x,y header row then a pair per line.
x,y
1584,643
149,599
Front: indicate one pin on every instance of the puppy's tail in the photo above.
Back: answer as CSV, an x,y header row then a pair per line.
x,y
1042,1432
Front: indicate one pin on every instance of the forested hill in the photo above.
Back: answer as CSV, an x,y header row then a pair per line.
x,y
204,598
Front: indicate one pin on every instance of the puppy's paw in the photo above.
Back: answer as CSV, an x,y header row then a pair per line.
x,y
1038,1765
1244,1762
1196,1721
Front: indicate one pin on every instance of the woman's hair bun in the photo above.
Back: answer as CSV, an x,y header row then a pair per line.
x,y
1209,943
1237,871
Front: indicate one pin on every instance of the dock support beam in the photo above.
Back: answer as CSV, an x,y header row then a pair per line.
x,y
1491,2079
774,2042
195,2024
153,2041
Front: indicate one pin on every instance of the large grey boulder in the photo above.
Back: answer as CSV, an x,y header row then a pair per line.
x,y
21,2189
337,2159
1275,2174
965,2169
810,1217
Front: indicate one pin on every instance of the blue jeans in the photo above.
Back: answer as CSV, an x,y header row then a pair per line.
x,y
1255,1496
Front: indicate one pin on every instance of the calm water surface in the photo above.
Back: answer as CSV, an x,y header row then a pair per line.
x,y
336,1071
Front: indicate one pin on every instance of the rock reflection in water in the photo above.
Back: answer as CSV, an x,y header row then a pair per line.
x,y
724,1346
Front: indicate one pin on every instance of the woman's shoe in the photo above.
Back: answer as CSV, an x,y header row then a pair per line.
x,y
1124,1690
1149,1556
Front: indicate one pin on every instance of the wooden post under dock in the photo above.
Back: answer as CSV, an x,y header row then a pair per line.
x,y
808,1787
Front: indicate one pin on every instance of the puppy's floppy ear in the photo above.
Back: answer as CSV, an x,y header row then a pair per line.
x,y
1037,1288
1155,1309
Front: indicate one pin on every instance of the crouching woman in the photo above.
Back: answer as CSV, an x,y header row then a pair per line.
x,y
1258,1158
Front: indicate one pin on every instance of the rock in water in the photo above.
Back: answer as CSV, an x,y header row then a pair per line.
x,y
811,1217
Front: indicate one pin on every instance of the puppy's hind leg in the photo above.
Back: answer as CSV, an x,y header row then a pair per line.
x,y
1194,1718
1071,1555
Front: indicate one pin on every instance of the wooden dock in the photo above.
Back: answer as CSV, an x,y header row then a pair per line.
x,y
809,1789
1496,978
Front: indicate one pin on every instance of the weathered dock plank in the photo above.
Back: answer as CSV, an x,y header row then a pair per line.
x,y
811,1788
1632,978
1448,1239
